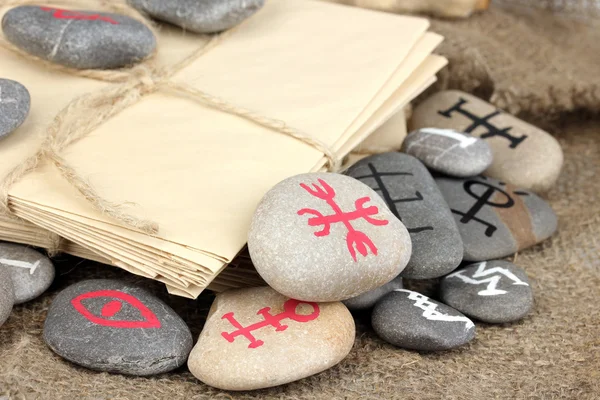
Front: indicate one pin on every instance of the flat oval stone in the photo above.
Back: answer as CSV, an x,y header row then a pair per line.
x,y
257,338
111,326
7,295
491,291
413,321
368,299
524,155
326,237
31,271
495,219
78,39
410,192
201,16
14,105
449,152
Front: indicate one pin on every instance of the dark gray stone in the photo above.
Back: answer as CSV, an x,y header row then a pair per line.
x,y
412,195
107,325
495,219
367,300
7,295
31,271
14,105
201,16
449,152
413,321
78,39
491,291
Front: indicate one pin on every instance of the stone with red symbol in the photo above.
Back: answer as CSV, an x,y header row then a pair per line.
x,y
257,338
326,237
112,326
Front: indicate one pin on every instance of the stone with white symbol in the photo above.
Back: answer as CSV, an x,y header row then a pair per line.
x,y
326,237
201,16
523,154
367,300
31,271
257,338
112,326
411,320
496,219
78,39
7,295
410,192
491,291
448,151
14,105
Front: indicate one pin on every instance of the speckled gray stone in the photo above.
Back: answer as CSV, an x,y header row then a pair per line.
x,y
367,300
7,295
494,218
326,237
413,321
78,39
31,271
201,16
449,152
491,291
107,325
411,193
14,105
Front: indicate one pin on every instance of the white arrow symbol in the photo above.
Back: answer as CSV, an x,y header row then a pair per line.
x,y
21,264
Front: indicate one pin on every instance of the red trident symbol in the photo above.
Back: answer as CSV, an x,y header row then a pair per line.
x,y
289,311
59,13
354,238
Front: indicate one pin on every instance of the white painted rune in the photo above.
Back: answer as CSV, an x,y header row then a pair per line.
x,y
430,312
490,276
21,264
464,141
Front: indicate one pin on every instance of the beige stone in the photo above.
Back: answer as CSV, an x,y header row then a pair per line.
x,y
284,350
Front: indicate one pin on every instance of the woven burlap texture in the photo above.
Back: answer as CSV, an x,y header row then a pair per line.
x,y
532,63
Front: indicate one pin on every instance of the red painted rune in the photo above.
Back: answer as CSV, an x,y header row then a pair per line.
x,y
354,239
289,312
59,13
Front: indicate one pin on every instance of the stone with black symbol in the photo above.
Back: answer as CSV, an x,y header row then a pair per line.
x,y
411,194
448,151
14,105
496,219
7,295
411,320
523,154
111,326
326,237
78,39
200,16
31,271
257,338
367,300
490,291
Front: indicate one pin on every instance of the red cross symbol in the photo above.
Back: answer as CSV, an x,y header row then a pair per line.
x,y
289,311
59,13
354,238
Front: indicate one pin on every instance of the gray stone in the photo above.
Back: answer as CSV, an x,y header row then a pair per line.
x,y
413,321
78,39
326,237
412,195
491,291
7,295
494,218
14,105
201,16
31,271
368,299
111,326
449,152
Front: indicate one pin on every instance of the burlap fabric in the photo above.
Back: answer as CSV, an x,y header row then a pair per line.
x,y
529,61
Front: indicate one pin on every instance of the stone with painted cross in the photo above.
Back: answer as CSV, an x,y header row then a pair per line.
x,y
523,154
495,219
490,291
411,194
326,237
256,338
78,39
31,271
14,105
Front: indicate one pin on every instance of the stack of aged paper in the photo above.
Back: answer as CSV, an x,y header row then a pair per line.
x,y
333,72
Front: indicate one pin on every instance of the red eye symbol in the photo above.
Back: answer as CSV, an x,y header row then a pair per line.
x,y
113,307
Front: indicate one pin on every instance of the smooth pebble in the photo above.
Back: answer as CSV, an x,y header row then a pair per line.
x,y
31,271
14,105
